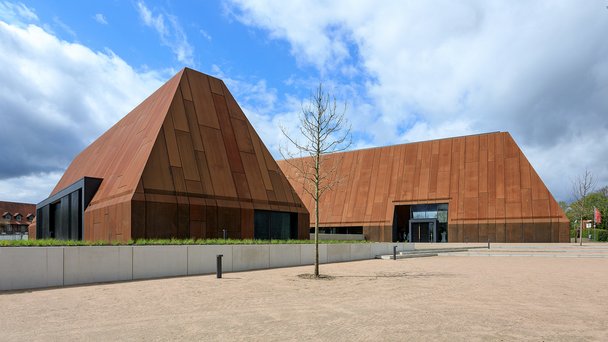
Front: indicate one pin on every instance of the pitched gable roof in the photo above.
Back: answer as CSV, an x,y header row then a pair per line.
x,y
483,177
14,208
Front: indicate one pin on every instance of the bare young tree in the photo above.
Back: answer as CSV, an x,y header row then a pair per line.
x,y
323,131
604,191
582,186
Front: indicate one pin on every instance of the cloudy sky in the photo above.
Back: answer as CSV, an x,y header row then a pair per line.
x,y
408,70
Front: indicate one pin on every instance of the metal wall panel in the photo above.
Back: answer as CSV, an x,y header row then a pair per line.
x,y
491,188
179,154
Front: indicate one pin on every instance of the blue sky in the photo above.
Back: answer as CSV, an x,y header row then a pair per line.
x,y
408,71
205,29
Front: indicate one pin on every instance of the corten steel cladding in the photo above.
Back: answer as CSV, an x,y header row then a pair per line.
x,y
493,192
185,163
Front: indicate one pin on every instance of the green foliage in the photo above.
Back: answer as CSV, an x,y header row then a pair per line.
x,y
602,235
50,243
154,242
598,199
596,235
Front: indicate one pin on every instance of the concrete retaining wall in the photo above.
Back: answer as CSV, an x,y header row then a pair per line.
x,y
39,267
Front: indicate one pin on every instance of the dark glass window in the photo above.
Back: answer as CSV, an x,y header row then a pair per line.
x,y
262,225
424,211
55,221
280,227
269,225
338,230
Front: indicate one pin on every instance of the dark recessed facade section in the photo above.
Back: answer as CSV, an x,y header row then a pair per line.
x,y
61,216
275,225
338,230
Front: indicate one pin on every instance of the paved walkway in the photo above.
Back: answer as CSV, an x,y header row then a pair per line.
x,y
557,250
424,299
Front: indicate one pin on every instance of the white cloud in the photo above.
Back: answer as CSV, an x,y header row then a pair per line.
x,y
31,188
17,13
205,34
56,97
260,104
170,32
268,112
65,27
100,18
437,68
312,29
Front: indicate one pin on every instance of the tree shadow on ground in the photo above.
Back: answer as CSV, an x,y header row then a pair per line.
x,y
409,275
313,277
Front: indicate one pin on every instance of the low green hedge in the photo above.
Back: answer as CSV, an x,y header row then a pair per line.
x,y
602,235
596,235
155,242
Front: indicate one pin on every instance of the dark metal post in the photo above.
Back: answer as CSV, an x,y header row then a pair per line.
x,y
394,252
219,265
488,243
225,234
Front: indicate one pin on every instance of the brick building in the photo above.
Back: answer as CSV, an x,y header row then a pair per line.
x,y
16,217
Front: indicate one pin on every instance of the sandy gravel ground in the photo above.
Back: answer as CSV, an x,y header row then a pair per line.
x,y
430,299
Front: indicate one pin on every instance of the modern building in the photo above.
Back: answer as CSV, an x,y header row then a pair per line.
x,y
467,189
185,163
16,217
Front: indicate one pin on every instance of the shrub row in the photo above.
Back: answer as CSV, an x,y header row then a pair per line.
x,y
153,242
597,235
602,235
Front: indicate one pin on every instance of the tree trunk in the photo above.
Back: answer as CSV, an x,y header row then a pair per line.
x,y
582,215
317,238
580,229
317,217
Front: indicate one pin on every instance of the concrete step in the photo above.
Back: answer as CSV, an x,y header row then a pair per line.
x,y
406,256
426,252
439,250
532,254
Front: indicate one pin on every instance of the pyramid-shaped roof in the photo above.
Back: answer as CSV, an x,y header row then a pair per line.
x,y
189,138
119,155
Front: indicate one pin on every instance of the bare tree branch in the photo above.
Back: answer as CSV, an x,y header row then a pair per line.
x,y
322,126
582,186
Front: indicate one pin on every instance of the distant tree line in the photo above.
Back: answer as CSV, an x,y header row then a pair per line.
x,y
582,207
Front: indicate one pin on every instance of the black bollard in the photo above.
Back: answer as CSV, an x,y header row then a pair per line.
x,y
225,234
488,243
394,252
219,265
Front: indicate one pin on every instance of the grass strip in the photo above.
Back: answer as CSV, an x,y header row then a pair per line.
x,y
159,242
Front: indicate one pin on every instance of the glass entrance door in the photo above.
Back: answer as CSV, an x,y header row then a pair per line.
x,y
422,231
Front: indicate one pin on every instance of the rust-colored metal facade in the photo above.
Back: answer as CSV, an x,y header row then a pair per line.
x,y
492,191
185,163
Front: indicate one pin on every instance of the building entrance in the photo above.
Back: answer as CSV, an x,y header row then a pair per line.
x,y
422,230
421,223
